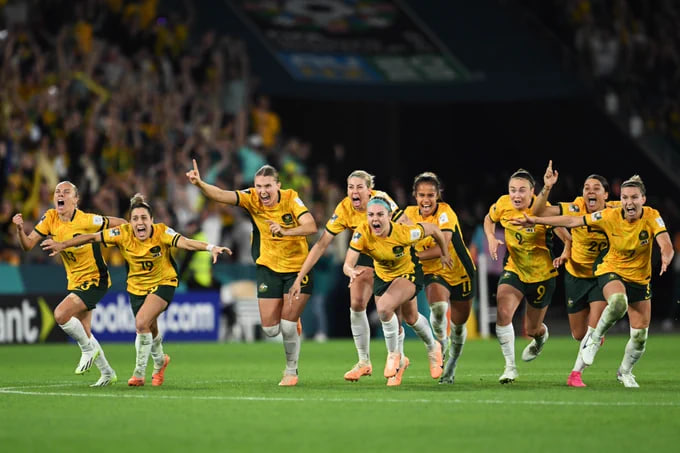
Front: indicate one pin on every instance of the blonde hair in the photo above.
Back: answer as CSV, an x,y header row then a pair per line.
x,y
368,178
138,201
635,181
268,170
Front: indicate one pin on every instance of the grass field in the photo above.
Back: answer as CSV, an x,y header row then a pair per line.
x,y
224,397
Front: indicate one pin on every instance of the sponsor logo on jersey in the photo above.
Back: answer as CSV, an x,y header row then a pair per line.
x,y
170,231
97,220
659,221
574,208
298,201
333,218
443,218
415,234
356,236
595,216
114,232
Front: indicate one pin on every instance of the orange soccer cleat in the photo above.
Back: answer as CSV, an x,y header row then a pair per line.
x,y
289,380
158,378
395,380
359,370
436,360
135,381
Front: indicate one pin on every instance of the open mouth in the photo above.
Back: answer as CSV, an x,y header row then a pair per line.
x,y
592,202
630,210
141,230
60,203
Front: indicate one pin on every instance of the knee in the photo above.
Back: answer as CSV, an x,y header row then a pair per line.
x,y
618,303
288,328
385,315
639,337
142,326
61,316
272,331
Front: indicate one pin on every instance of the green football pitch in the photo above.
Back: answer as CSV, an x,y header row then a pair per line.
x,y
225,397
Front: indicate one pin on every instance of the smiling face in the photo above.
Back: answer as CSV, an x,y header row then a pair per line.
x,y
141,221
632,201
65,198
520,192
594,194
358,192
267,188
378,218
426,195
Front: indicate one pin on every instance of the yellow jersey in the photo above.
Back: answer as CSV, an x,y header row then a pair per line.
x,y
392,255
149,262
84,264
529,249
345,217
587,243
630,244
278,253
447,220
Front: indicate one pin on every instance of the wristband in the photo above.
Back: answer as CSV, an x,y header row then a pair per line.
x,y
209,247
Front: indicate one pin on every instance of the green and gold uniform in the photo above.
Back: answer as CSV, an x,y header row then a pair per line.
x,y
86,270
463,270
151,267
630,247
346,217
587,244
528,263
393,256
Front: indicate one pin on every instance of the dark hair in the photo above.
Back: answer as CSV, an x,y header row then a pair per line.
x,y
635,181
523,174
268,170
427,178
137,201
602,179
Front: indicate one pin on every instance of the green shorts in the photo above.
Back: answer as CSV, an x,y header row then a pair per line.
x,y
380,286
365,260
91,292
463,291
635,292
581,292
273,285
538,295
165,292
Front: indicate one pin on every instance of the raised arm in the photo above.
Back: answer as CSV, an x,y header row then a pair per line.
x,y
194,245
210,191
315,253
541,207
54,247
27,242
666,246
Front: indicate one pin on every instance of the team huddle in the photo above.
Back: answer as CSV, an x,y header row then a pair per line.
x,y
393,254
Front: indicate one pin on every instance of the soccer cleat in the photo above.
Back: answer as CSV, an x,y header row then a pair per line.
x,y
436,362
158,378
392,364
86,361
509,375
590,350
395,380
574,380
627,379
135,381
446,346
449,374
289,380
533,350
359,370
105,380
299,326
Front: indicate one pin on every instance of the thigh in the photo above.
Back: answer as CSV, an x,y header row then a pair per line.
x,y
270,310
291,310
153,306
409,311
72,305
436,289
362,289
640,314
399,291
508,299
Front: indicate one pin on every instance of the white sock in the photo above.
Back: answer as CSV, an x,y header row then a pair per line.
x,y
617,305
157,352
74,329
634,349
143,347
400,340
361,331
291,345
438,319
423,330
506,337
458,337
579,365
101,361
391,333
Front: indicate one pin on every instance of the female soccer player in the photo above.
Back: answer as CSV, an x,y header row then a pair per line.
x,y
529,271
398,278
279,247
86,272
349,213
585,301
445,288
151,279
624,271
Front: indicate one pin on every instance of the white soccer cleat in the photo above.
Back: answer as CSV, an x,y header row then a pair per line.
x,y
509,375
105,380
86,361
533,350
590,350
449,373
627,379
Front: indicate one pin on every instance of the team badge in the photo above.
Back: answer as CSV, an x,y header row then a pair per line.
x,y
155,251
287,219
398,251
262,288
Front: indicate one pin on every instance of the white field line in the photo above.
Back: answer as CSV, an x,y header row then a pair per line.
x,y
314,399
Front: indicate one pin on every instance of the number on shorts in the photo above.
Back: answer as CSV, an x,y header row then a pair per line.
x,y
541,292
519,238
